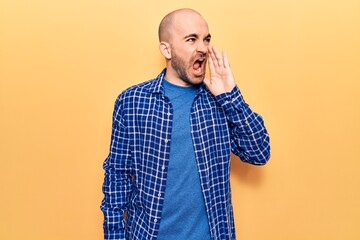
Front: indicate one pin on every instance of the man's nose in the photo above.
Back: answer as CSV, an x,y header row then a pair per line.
x,y
202,47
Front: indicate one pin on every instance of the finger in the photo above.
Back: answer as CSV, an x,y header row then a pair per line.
x,y
226,60
212,56
211,59
218,57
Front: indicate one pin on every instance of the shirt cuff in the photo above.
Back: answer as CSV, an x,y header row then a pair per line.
x,y
231,101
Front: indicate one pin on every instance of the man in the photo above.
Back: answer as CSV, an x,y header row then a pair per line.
x,y
167,174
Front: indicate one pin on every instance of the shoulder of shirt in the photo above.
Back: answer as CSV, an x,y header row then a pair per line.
x,y
135,93
143,88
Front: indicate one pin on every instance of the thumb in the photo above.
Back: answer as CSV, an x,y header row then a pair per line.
x,y
206,81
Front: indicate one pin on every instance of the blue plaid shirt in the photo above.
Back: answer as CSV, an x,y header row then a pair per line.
x,y
136,168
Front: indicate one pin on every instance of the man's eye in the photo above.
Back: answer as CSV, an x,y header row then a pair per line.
x,y
191,40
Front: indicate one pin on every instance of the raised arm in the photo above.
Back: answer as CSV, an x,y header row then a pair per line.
x,y
249,137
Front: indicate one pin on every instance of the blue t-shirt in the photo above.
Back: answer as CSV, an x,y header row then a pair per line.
x,y
183,214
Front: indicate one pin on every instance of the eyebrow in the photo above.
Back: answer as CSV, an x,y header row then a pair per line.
x,y
196,36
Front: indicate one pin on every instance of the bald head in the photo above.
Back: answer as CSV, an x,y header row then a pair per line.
x,y
168,21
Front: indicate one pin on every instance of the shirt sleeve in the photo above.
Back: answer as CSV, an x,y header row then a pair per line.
x,y
249,137
117,181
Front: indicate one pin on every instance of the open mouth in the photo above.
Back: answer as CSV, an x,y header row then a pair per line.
x,y
198,65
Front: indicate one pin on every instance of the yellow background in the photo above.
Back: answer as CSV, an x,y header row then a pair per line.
x,y
62,64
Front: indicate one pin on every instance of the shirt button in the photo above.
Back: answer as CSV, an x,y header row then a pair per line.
x,y
155,220
166,140
163,167
159,195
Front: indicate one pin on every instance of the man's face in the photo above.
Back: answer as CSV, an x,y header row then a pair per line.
x,y
189,43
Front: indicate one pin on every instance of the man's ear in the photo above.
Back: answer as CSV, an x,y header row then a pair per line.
x,y
165,50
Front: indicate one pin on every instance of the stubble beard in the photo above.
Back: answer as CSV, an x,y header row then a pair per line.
x,y
179,66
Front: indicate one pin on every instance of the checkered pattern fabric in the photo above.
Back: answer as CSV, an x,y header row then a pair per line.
x,y
136,168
